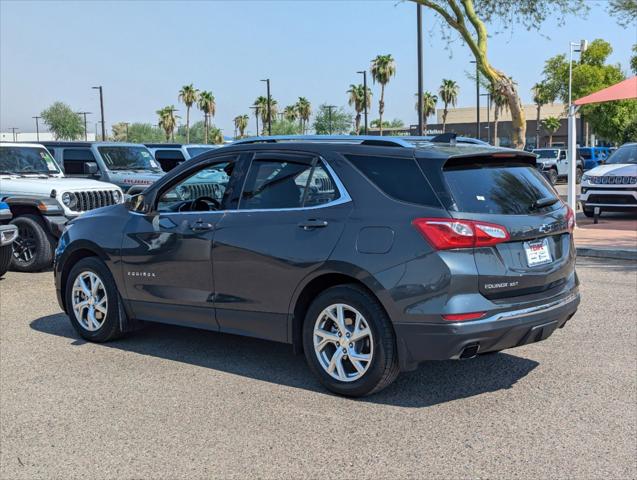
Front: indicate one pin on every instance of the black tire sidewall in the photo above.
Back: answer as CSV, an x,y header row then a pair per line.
x,y
375,317
43,256
110,329
553,177
6,255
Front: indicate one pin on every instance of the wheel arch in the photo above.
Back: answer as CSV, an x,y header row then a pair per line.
x,y
317,283
70,257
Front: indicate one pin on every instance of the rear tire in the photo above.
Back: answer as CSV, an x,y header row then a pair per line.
x,y
578,176
92,301
6,254
364,344
33,248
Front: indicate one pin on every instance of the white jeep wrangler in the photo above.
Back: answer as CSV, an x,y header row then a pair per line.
x,y
42,200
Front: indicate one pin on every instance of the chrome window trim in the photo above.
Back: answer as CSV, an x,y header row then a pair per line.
x,y
343,199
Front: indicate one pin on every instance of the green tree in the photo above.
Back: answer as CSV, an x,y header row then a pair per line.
x,y
469,19
143,133
167,121
341,121
358,99
396,123
63,122
290,113
304,109
550,126
262,104
208,106
120,131
286,127
624,10
383,69
448,92
188,95
633,60
542,95
500,104
216,135
429,101
240,124
591,74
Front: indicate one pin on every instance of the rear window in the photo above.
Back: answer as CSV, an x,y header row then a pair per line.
x,y
497,189
400,178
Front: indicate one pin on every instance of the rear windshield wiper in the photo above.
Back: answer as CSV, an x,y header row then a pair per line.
x,y
544,202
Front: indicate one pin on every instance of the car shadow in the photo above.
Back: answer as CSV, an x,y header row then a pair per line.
x,y
433,383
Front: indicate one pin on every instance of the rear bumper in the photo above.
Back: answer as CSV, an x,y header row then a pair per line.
x,y
418,342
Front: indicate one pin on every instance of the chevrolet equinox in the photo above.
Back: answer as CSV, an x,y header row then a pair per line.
x,y
369,255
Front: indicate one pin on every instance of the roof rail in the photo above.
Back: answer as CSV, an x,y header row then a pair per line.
x,y
355,139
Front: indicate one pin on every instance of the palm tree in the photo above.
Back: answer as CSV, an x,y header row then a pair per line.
x,y
449,95
208,106
290,113
262,104
358,99
216,135
241,123
188,95
383,68
551,125
542,95
167,120
429,101
304,109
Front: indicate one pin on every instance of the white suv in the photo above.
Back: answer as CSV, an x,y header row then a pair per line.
x,y
42,200
612,186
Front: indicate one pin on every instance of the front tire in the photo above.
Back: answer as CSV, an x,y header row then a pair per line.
x,y
33,247
552,176
349,342
92,301
589,212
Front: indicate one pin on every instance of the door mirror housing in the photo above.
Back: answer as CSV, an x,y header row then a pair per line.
x,y
90,168
137,203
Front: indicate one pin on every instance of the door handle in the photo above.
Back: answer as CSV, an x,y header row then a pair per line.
x,y
312,224
200,226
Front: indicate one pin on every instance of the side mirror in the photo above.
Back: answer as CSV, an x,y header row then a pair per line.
x,y
137,203
90,168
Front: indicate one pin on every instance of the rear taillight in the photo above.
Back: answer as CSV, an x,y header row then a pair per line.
x,y
447,233
570,219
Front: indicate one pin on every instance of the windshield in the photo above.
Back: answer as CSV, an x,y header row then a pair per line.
x,y
24,160
128,158
625,154
546,153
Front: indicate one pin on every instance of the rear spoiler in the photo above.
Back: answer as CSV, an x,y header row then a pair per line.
x,y
488,156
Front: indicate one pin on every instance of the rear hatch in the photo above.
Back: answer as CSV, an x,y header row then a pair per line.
x,y
504,189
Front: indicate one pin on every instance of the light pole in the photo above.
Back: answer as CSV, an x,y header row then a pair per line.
x,y
267,81
477,99
85,130
102,111
15,135
329,116
488,95
364,74
37,128
256,116
580,47
420,87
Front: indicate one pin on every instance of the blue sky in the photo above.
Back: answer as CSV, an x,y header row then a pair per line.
x,y
142,52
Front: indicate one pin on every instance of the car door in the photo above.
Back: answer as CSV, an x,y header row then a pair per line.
x,y
290,215
167,254
562,163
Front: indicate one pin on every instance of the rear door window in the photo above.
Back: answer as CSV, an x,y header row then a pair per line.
x,y
400,178
497,189
75,158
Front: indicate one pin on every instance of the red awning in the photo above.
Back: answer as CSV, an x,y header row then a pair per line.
x,y
620,91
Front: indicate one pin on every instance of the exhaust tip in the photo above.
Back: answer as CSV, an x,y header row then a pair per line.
x,y
470,351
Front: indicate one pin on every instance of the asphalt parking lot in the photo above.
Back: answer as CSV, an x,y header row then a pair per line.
x,y
170,402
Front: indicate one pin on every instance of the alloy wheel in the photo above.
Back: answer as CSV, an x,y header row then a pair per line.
x,y
24,246
89,301
343,342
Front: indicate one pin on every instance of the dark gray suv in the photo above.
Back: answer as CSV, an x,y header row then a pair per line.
x,y
369,255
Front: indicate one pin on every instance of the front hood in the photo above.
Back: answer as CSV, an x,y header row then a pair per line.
x,y
42,185
628,170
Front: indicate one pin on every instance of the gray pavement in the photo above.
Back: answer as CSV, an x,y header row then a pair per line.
x,y
172,403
